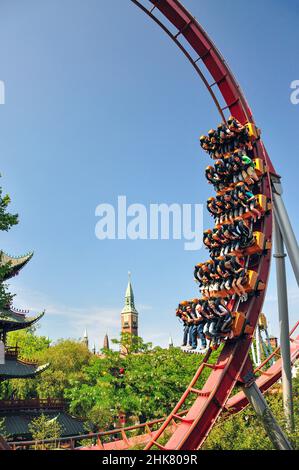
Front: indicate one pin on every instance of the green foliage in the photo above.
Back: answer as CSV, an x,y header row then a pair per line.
x,y
151,385
130,344
44,428
30,344
3,432
66,358
7,220
245,430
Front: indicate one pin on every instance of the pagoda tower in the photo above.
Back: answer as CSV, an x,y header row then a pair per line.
x,y
129,314
11,366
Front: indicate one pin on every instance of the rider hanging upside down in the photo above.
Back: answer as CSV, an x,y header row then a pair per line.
x,y
214,179
247,168
239,275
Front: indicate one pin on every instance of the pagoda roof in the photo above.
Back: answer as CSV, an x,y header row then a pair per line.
x,y
16,424
16,369
14,263
14,319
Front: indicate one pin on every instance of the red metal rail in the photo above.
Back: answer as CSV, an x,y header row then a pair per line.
x,y
210,401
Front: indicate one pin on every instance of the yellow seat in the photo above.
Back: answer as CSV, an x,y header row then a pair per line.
x,y
251,283
259,166
253,131
261,206
261,203
258,246
239,322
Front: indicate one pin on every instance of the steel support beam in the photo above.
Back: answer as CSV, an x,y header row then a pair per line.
x,y
284,326
285,226
258,345
273,430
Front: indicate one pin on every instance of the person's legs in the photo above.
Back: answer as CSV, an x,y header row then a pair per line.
x,y
201,335
227,322
236,286
251,172
185,335
212,329
193,336
190,335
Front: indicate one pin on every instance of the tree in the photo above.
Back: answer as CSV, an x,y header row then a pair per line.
x,y
148,386
7,220
44,428
30,344
130,344
3,432
67,359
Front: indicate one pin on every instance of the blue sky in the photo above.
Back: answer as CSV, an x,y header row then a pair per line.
x,y
100,103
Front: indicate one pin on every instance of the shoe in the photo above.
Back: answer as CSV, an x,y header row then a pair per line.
x,y
188,348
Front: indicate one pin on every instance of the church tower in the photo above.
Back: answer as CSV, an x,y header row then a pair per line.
x,y
129,314
85,338
106,342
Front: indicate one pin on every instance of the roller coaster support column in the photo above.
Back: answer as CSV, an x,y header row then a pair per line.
x,y
259,404
284,223
284,327
258,345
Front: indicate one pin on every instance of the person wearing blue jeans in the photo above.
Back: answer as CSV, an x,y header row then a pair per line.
x,y
192,327
200,323
186,334
201,334
182,315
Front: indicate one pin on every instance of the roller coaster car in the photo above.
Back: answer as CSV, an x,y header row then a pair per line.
x,y
253,132
262,206
256,248
252,285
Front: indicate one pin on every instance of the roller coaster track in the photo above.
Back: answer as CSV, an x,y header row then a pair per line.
x,y
121,439
233,364
188,430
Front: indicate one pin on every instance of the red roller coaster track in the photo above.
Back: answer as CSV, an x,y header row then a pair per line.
x,y
191,428
233,364
233,361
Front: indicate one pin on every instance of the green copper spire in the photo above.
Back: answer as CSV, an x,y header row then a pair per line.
x,y
129,299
